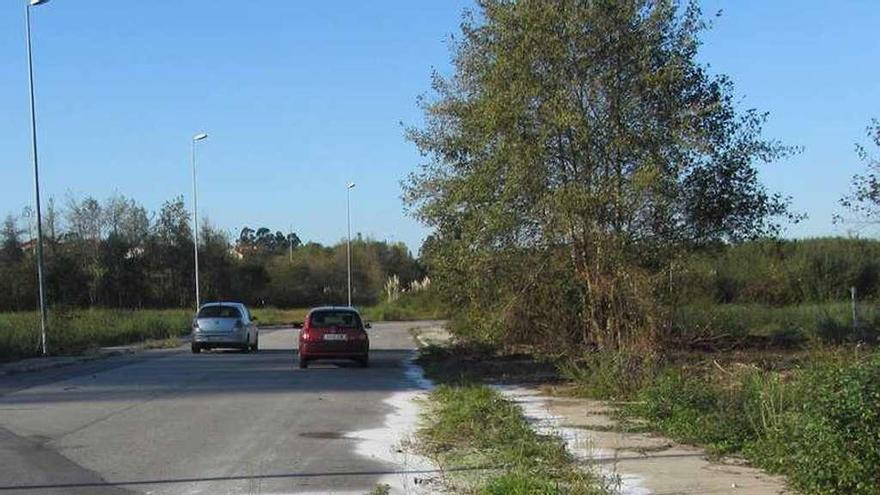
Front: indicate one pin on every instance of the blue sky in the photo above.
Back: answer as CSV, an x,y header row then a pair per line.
x,y
300,97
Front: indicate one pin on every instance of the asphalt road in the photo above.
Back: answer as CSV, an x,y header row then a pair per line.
x,y
170,422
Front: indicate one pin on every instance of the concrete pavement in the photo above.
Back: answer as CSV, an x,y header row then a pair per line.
x,y
169,422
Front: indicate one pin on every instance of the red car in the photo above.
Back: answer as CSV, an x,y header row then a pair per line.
x,y
334,333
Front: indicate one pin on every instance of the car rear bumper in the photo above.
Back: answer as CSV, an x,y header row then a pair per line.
x,y
219,340
313,351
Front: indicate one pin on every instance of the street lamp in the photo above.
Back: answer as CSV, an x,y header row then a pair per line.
x,y
198,137
348,246
290,245
40,281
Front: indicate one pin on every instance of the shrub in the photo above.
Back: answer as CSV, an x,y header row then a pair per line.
x,y
820,426
783,326
611,375
832,331
694,410
829,442
775,272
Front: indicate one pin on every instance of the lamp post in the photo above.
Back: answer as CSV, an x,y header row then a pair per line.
x,y
198,137
348,246
40,276
290,245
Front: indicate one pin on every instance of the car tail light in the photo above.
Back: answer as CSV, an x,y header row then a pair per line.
x,y
304,332
361,336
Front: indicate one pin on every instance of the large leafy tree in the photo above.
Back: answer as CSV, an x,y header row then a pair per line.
x,y
576,148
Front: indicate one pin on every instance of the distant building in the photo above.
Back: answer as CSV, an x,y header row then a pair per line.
x,y
29,245
135,252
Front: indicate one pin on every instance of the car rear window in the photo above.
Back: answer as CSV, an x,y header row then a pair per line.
x,y
219,312
347,319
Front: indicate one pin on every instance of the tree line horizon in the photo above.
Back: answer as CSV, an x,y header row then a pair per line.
x,y
117,254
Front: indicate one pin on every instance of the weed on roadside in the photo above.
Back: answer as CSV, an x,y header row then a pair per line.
x,y
611,375
818,425
380,490
73,331
473,429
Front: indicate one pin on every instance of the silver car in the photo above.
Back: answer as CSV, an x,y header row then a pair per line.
x,y
224,324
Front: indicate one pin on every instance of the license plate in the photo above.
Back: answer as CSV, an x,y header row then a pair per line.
x,y
335,336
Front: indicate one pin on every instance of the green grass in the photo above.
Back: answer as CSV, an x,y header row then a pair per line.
x,y
276,316
794,324
76,331
421,305
611,375
484,438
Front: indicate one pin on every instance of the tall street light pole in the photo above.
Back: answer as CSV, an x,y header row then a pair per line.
x,y
348,247
40,276
198,137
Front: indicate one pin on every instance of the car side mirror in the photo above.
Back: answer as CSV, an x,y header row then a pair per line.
x,y
368,325
297,324
254,318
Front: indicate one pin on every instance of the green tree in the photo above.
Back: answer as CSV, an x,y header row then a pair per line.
x,y
10,241
217,264
263,242
127,219
171,256
86,224
578,147
864,197
113,249
293,240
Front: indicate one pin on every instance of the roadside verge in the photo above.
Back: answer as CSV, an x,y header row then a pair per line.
x,y
51,362
485,440
623,456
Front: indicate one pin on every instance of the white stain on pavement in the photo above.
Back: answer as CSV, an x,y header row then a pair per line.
x,y
536,410
414,474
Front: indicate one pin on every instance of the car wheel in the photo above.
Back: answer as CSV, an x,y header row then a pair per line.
x,y
303,362
256,346
196,348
